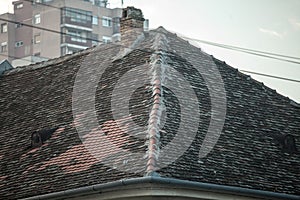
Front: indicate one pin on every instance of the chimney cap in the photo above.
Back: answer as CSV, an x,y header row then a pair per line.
x,y
133,13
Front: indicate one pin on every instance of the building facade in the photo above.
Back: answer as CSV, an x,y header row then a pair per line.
x,y
7,36
43,29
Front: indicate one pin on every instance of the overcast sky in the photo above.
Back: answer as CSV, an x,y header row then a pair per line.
x,y
265,25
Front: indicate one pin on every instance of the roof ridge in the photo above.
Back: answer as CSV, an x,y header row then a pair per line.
x,y
157,71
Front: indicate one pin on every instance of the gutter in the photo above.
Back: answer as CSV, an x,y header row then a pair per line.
x,y
168,181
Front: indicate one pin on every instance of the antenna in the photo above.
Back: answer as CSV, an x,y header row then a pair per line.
x,y
122,2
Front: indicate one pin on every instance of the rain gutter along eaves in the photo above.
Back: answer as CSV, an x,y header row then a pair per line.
x,y
168,182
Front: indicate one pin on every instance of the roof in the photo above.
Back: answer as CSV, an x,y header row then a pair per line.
x,y
111,113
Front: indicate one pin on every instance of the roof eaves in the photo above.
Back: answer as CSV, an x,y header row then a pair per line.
x,y
166,181
50,62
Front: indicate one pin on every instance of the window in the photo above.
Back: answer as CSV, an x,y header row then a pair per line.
x,y
4,47
19,6
95,20
77,36
106,21
77,15
116,25
19,44
4,28
37,19
37,39
94,39
106,39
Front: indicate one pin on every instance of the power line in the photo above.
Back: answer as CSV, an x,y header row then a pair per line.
x,y
271,76
250,72
49,30
210,43
248,51
240,48
230,47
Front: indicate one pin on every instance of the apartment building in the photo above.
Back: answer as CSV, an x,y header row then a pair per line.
x,y
7,37
43,29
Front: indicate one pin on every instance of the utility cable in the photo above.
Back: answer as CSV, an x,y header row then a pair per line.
x,y
230,47
248,51
271,76
145,51
202,41
49,30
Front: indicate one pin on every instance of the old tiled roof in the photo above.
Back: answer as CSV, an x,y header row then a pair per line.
x,y
251,152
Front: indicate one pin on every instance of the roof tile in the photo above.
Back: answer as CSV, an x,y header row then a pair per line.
x,y
40,97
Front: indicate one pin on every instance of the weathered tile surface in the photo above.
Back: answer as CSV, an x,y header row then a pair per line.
x,y
248,153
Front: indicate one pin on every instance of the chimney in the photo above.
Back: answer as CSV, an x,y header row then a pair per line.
x,y
132,25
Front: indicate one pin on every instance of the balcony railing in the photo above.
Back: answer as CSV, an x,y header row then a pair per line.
x,y
76,40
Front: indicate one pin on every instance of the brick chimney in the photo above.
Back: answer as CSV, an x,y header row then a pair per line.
x,y
132,25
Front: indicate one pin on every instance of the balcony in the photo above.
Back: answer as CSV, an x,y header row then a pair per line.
x,y
76,18
77,22
76,40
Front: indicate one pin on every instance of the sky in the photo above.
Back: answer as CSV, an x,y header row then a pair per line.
x,y
265,25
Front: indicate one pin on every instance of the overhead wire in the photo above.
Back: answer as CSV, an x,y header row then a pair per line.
x,y
245,50
246,71
240,48
46,29
270,76
230,47
248,51
234,48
